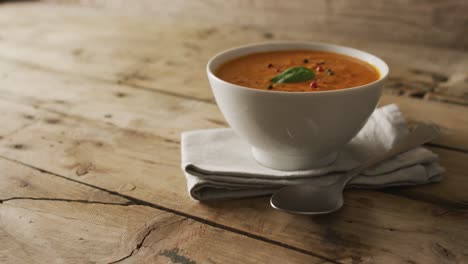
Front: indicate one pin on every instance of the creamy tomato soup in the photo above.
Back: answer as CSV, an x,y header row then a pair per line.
x,y
298,71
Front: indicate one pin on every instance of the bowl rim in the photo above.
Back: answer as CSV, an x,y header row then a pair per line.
x,y
211,74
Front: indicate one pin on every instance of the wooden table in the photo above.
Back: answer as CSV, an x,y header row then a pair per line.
x,y
92,104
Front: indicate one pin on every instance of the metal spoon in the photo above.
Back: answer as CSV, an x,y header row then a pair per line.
x,y
312,199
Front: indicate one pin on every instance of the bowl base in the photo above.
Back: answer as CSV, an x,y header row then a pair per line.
x,y
292,163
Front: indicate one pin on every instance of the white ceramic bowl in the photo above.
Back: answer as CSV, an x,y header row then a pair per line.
x,y
295,130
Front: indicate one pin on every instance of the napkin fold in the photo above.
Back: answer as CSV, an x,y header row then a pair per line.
x,y
219,165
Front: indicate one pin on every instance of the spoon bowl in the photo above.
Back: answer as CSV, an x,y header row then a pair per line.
x,y
315,199
308,199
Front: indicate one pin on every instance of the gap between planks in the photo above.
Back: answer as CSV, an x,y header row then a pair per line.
x,y
136,201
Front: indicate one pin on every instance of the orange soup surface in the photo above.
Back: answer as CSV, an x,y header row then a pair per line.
x,y
330,71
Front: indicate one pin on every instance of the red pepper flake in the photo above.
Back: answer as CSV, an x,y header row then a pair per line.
x,y
270,65
278,70
319,68
313,85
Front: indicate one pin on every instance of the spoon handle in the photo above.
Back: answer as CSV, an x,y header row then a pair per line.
x,y
420,135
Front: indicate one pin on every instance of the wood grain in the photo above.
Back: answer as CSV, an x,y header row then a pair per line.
x,y
151,164
138,51
68,222
451,119
94,103
441,23
111,103
72,97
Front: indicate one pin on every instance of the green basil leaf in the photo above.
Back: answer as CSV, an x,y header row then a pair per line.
x,y
294,74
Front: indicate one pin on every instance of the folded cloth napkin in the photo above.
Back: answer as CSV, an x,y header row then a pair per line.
x,y
219,165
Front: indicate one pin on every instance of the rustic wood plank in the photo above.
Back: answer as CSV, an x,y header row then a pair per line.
x,y
49,219
163,117
365,227
451,119
142,140
19,119
67,222
171,57
450,191
23,183
137,109
424,22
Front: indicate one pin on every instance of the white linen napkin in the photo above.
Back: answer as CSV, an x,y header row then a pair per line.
x,y
219,165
